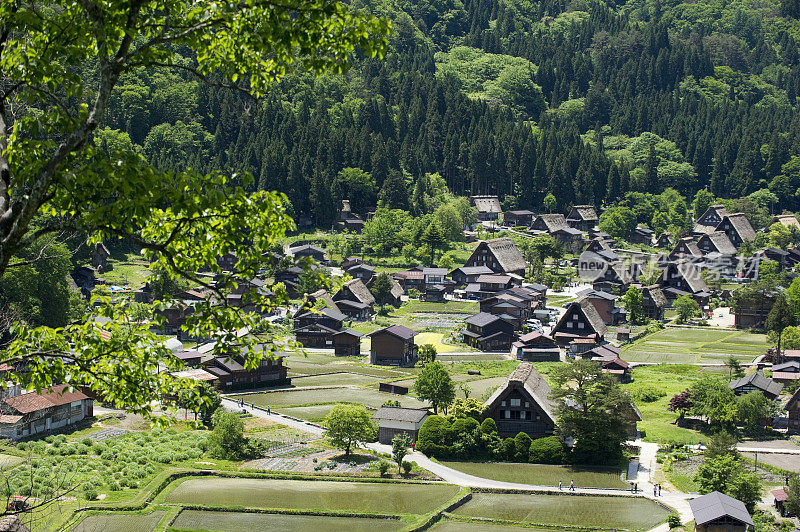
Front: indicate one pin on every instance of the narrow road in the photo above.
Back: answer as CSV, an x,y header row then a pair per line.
x,y
647,457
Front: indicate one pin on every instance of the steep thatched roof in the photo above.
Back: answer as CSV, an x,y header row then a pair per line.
x,y
507,254
741,225
532,382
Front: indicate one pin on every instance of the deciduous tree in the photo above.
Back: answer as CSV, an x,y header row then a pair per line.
x,y
590,404
61,66
349,425
434,385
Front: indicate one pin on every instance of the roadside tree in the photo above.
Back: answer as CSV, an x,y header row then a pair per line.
x,y
400,445
349,425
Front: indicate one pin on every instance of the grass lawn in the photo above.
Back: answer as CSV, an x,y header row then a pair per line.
x,y
131,273
667,379
566,510
385,498
370,398
120,522
247,522
684,346
542,475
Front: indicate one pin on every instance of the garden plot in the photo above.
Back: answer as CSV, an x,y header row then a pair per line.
x,y
120,522
565,510
247,522
432,320
370,398
105,434
543,475
384,498
320,462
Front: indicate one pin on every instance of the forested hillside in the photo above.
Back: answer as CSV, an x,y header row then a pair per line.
x,y
587,100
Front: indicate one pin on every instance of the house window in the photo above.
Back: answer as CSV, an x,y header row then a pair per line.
x,y
526,404
515,402
538,417
508,414
580,325
503,403
574,316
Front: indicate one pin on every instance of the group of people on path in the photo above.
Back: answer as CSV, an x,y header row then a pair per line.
x,y
571,485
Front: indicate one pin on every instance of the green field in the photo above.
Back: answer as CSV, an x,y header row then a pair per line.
x,y
384,498
463,526
566,510
542,475
247,522
686,346
336,379
120,522
314,413
667,379
366,397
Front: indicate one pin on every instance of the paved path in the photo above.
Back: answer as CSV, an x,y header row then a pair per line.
x,y
277,418
647,457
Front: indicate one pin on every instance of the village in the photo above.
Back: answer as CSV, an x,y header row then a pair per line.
x,y
635,378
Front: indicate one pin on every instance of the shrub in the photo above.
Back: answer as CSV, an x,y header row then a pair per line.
x,y
87,442
489,426
433,438
407,467
507,449
648,395
548,450
383,467
673,520
522,445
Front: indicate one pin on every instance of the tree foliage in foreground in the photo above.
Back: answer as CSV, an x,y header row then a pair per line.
x,y
61,65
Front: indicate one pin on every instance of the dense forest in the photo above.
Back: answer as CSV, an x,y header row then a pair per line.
x,y
588,100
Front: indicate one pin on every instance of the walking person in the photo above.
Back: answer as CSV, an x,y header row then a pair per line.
x,y
655,490
571,485
269,411
659,489
559,486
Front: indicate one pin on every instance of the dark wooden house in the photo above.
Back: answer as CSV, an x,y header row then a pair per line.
x,y
580,321
518,218
582,217
501,255
469,274
757,382
488,208
710,219
738,228
535,347
523,404
488,332
717,241
393,346
641,235
347,342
